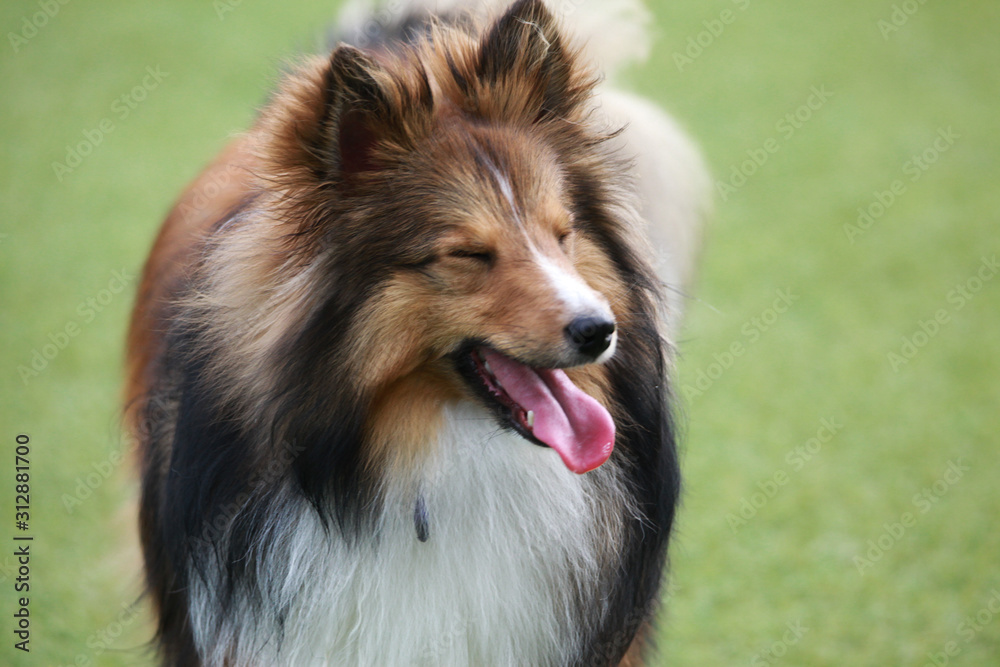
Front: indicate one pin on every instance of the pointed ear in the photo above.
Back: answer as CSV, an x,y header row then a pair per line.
x,y
524,45
370,111
358,107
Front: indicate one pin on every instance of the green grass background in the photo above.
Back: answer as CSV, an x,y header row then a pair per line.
x,y
733,593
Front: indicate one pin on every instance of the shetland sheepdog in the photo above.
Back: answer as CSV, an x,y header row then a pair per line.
x,y
399,360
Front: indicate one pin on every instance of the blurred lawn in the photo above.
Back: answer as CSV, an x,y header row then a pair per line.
x,y
795,580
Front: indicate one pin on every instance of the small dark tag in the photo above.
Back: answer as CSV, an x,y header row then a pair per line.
x,y
420,519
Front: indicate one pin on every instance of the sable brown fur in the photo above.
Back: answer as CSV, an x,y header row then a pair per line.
x,y
294,335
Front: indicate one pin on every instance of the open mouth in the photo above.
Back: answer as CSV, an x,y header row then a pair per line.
x,y
542,405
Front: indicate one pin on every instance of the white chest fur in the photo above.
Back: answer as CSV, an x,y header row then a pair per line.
x,y
516,542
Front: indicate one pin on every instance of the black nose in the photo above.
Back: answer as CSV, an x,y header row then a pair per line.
x,y
590,335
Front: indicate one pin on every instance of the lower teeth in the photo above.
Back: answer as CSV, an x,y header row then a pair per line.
x,y
530,419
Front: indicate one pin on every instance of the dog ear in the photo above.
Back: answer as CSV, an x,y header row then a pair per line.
x,y
524,48
360,107
370,112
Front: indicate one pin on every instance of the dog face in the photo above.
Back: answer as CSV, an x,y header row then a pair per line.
x,y
492,277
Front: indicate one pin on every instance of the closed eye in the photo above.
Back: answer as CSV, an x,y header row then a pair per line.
x,y
480,255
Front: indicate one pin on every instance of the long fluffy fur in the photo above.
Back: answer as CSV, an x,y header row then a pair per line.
x,y
291,378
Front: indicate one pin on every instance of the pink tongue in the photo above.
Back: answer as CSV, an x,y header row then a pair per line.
x,y
566,419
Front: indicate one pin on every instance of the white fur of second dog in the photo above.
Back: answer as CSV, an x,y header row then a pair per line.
x,y
673,191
